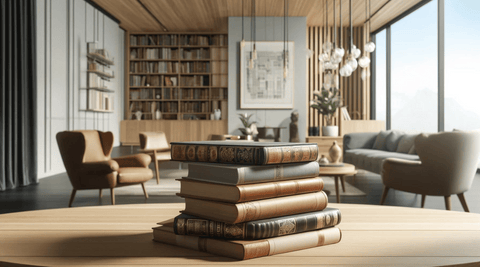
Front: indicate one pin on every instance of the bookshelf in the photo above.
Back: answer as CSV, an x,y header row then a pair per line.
x,y
97,97
182,76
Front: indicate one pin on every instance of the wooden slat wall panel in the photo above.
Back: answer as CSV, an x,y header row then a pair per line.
x,y
354,91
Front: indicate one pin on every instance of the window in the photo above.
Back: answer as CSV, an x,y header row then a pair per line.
x,y
462,89
381,76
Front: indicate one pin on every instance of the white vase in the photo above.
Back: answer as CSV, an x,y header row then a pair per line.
x,y
218,114
158,115
330,130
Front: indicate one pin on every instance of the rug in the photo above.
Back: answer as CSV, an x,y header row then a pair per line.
x,y
170,186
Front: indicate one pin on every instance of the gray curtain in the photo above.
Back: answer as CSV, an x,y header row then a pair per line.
x,y
18,85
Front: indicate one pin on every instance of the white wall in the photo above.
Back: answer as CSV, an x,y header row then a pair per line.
x,y
268,29
63,29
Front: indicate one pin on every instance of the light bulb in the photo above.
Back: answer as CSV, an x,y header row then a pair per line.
x,y
357,53
370,47
250,65
285,72
339,52
242,43
364,62
346,70
353,63
254,53
336,59
323,57
365,74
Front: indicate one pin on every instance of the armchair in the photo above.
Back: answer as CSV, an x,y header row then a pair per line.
x,y
155,144
447,166
86,156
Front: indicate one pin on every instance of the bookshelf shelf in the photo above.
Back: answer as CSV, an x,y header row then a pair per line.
x,y
184,75
97,97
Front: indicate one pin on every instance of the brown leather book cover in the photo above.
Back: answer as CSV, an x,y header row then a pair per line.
x,y
256,210
244,250
244,193
239,152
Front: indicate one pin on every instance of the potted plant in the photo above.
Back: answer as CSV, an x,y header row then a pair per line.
x,y
327,102
250,128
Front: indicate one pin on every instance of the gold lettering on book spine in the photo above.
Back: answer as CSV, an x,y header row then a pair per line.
x,y
179,152
191,153
234,231
287,227
213,153
202,153
245,155
227,154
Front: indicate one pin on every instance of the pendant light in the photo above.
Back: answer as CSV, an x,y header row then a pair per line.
x,y
370,46
365,60
242,43
339,52
353,49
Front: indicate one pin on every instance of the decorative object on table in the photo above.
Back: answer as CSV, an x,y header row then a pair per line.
x,y
327,102
257,84
294,128
212,116
138,115
158,114
335,152
323,160
250,128
218,114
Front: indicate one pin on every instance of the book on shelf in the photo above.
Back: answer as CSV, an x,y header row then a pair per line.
x,y
234,174
286,225
256,210
253,153
248,192
245,249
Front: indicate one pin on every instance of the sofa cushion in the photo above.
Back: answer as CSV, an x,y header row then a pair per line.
x,y
380,141
371,160
406,143
412,151
392,140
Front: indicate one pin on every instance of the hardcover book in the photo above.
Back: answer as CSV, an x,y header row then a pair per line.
x,y
256,210
233,174
191,225
242,249
250,192
238,152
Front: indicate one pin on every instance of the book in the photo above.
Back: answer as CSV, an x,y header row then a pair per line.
x,y
190,225
245,249
251,192
235,174
253,153
256,210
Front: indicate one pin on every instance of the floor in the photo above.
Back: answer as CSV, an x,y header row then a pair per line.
x,y
54,192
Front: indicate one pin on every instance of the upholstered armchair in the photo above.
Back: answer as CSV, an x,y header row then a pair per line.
x,y
447,166
156,145
86,156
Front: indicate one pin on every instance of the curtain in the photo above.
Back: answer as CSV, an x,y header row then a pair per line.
x,y
18,85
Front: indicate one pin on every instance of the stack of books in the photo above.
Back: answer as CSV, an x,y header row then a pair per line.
x,y
247,200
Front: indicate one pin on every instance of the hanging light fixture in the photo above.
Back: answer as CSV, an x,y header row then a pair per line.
x,y
364,61
285,37
242,43
370,46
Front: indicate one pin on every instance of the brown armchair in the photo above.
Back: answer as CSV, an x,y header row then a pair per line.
x,y
156,145
86,156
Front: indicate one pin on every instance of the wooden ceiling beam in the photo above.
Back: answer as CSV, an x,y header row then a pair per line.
x,y
153,16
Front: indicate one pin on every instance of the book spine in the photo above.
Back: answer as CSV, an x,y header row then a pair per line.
x,y
276,207
257,229
279,189
245,154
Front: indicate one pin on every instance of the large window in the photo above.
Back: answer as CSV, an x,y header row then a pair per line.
x,y
413,92
462,65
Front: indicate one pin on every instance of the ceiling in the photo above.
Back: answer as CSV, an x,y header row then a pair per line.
x,y
212,15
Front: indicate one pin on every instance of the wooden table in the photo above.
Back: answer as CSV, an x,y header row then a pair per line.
x,y
338,173
122,235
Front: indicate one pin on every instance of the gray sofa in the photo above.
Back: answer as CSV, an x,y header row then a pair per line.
x,y
367,151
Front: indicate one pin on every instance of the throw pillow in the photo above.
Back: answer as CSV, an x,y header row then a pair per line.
x,y
406,143
393,139
380,141
412,151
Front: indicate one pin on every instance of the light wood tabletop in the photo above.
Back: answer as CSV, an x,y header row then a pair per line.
x,y
122,235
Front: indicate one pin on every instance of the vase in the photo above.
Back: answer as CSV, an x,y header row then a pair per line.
x,y
335,152
138,115
313,131
158,115
330,130
218,114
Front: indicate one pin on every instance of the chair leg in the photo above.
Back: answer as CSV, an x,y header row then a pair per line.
x,y
336,188
423,200
72,197
144,190
112,195
100,194
384,195
464,202
342,179
448,202
156,167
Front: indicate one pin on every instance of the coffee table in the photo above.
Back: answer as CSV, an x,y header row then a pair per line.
x,y
122,235
338,173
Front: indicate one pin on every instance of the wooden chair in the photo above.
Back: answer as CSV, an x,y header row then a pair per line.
x,y
156,145
86,156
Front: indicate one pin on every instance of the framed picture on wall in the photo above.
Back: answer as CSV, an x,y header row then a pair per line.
x,y
264,85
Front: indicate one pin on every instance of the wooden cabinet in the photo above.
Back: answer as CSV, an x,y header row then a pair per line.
x,y
175,130
324,144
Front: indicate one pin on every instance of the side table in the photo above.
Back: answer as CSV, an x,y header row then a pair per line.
x,y
338,173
